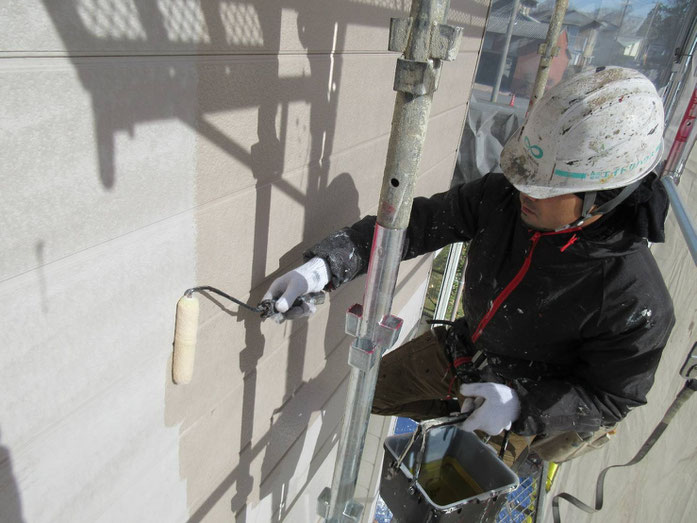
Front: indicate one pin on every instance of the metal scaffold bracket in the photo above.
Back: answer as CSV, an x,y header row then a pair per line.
x,y
399,34
543,49
416,78
352,513
445,39
364,352
420,76
445,42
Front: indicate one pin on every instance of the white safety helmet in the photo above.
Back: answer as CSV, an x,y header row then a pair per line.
x,y
599,130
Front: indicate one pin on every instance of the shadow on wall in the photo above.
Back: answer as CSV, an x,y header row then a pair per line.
x,y
266,465
150,47
306,397
177,29
10,499
227,457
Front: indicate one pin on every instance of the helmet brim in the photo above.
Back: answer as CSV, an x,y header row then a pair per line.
x,y
522,172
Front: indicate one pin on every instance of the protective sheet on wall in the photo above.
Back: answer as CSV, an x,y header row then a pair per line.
x,y
487,128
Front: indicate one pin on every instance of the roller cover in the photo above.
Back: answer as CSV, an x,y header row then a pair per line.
x,y
185,340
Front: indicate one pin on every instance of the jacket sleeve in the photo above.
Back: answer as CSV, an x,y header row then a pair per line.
x,y
434,222
614,373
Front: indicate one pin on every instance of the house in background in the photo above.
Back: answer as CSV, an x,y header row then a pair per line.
x,y
523,56
581,31
528,60
630,46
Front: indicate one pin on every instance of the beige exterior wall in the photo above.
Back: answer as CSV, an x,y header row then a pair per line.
x,y
152,146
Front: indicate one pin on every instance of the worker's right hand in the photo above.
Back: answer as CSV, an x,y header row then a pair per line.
x,y
312,276
493,407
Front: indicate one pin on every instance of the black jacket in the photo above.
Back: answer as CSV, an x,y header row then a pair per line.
x,y
578,334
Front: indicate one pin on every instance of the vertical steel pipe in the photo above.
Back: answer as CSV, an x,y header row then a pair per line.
x,y
504,51
425,40
681,68
683,141
548,51
672,170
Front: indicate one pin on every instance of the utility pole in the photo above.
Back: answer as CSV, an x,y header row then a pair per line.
x,y
548,50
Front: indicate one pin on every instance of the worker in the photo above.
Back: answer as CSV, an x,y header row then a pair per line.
x,y
562,296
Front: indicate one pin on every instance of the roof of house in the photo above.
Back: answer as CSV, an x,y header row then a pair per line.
x,y
628,40
522,28
572,17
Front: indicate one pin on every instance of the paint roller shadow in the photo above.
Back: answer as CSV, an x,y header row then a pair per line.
x,y
231,309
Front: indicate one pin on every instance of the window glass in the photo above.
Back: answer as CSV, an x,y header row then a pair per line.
x,y
641,34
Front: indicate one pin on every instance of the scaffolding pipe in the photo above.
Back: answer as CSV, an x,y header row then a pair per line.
x,y
548,50
681,67
504,52
682,144
425,41
673,168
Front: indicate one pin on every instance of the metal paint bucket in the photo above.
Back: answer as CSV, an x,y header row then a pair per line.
x,y
451,476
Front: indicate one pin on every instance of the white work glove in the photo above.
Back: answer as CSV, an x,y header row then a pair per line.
x,y
312,276
494,407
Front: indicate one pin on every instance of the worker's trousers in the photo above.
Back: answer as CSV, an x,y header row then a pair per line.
x,y
417,381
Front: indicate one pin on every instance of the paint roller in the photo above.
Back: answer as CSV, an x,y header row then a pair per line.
x,y
185,330
186,325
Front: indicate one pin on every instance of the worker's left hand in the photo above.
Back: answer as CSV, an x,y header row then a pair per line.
x,y
494,407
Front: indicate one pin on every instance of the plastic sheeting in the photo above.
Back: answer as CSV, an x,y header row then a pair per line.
x,y
487,128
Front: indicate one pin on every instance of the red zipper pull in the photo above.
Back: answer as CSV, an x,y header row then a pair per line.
x,y
571,241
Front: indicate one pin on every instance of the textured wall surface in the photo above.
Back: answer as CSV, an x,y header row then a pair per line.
x,y
152,146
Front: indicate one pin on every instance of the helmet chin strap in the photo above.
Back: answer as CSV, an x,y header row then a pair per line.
x,y
589,200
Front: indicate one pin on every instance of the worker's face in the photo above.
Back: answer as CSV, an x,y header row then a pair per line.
x,y
548,214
